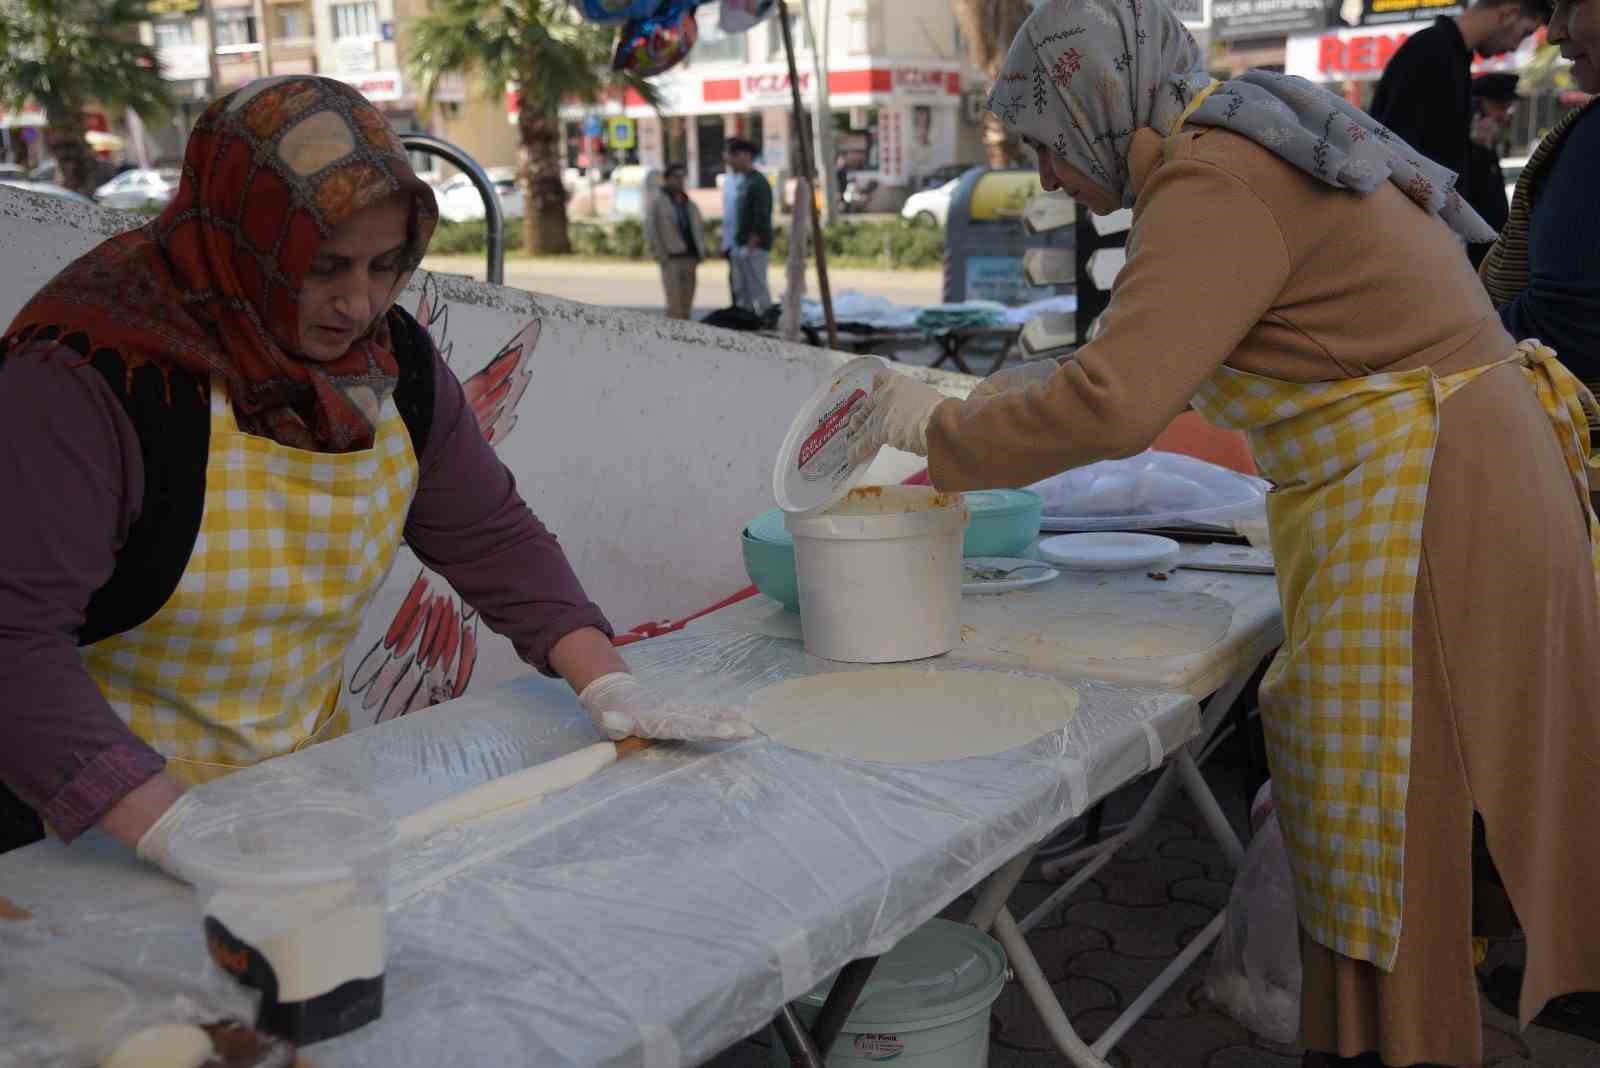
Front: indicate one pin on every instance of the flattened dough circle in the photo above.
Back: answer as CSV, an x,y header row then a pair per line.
x,y
910,715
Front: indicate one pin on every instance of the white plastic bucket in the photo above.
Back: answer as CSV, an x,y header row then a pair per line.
x,y
880,574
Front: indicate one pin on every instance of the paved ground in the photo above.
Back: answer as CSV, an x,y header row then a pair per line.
x,y
1122,930
638,285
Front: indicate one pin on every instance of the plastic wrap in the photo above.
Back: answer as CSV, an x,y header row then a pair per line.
x,y
662,910
1152,489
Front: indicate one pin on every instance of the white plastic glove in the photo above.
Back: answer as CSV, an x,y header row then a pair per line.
x,y
623,708
1021,376
897,414
155,845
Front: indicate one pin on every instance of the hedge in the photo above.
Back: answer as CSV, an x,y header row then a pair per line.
x,y
884,244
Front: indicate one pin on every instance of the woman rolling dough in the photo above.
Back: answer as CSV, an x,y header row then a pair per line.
x,y
1296,272
228,428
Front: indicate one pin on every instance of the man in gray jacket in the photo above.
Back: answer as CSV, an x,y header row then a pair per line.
x,y
677,238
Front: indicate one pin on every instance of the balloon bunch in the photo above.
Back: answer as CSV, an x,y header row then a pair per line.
x,y
657,35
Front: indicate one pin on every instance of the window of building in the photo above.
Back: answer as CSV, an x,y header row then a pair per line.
x,y
714,46
174,34
294,22
860,34
355,20
797,28
236,26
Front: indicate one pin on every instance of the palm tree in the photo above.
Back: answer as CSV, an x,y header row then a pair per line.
x,y
989,26
66,53
553,56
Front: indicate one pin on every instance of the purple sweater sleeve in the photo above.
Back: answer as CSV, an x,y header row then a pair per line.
x,y
72,478
469,524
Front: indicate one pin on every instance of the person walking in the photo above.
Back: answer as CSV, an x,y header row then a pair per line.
x,y
677,237
1425,95
751,226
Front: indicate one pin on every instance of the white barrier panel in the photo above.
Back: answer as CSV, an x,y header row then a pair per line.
x,y
644,444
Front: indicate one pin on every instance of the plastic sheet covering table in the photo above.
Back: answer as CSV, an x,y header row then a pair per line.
x,y
652,915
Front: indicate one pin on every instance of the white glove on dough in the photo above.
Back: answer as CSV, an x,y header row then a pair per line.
x,y
622,708
155,845
897,414
1019,377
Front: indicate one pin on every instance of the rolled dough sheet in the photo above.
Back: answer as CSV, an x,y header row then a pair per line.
x,y
1101,624
909,715
508,791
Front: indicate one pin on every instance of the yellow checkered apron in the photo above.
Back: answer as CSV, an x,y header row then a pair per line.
x,y
1350,461
246,660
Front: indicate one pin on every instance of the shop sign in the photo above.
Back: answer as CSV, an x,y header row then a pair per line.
x,y
172,7
380,87
924,82
768,88
356,55
1360,55
183,63
1233,20
1389,12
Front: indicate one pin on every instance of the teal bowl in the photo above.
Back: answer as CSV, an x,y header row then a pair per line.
x,y
769,559
1004,522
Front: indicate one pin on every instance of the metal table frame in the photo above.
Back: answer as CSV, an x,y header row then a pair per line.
x,y
992,915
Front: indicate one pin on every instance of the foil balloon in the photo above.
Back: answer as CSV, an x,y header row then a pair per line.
x,y
617,10
741,15
655,45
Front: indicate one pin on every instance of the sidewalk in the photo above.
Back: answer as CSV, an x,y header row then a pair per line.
x,y
637,284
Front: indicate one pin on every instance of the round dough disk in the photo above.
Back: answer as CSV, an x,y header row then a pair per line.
x,y
166,1046
909,715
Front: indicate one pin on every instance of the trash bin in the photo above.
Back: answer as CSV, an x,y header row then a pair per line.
x,y
985,239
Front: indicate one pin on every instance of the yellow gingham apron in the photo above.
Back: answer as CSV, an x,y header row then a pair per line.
x,y
246,660
1350,461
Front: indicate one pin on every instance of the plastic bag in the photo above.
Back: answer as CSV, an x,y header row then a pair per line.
x,y
655,45
604,11
1255,970
1151,489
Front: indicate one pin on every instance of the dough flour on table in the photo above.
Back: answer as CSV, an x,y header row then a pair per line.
x,y
908,715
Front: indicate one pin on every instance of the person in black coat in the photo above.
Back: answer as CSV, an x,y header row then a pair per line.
x,y
1483,184
1425,95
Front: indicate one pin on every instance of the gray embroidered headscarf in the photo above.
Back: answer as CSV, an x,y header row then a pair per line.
x,y
1084,75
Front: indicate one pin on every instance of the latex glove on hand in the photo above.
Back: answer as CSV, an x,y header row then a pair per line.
x,y
155,845
897,415
622,708
1021,376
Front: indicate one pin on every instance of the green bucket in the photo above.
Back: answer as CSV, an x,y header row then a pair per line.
x,y
926,1005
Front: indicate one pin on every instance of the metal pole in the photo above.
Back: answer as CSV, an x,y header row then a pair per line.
x,y
822,110
808,168
496,248
841,1000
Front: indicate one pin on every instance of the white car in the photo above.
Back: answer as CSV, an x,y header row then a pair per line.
x,y
138,189
1511,170
931,207
459,200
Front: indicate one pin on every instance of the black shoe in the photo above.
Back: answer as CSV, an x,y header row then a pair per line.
x,y
1574,1014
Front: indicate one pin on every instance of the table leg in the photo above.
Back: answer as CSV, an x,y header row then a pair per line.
x,y
950,352
1026,967
802,1051
841,999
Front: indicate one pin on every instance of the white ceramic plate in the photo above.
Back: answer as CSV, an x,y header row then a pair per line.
x,y
1023,574
1110,552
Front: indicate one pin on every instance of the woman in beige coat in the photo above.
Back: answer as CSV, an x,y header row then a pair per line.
x,y
676,235
1295,271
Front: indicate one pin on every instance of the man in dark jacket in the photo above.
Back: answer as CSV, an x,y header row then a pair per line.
x,y
1425,96
1494,100
750,253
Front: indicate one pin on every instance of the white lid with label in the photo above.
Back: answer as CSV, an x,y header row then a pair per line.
x,y
814,469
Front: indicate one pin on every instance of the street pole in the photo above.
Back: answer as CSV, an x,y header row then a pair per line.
x,y
822,112
809,170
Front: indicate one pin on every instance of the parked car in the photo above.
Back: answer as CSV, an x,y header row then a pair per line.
x,y
104,171
940,175
11,172
459,200
931,207
139,189
49,189
1511,169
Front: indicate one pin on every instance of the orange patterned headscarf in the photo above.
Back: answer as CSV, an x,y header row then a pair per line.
x,y
212,285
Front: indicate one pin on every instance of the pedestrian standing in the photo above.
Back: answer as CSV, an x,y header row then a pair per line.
x,y
751,226
677,237
1425,96
1483,184
731,181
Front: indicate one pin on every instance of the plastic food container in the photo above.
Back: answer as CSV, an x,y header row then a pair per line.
x,y
769,558
880,574
926,1006
1004,522
293,897
813,469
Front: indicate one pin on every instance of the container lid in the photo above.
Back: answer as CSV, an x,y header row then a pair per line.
x,y
814,469
992,504
940,972
769,527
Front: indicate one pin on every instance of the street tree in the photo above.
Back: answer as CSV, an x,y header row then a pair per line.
x,y
989,27
66,54
552,56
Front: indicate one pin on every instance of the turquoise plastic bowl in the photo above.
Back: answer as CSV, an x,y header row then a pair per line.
x,y
769,559
1004,522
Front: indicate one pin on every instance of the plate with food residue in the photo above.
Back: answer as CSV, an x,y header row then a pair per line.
x,y
1003,574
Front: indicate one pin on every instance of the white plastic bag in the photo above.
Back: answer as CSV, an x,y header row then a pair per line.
x,y
1255,969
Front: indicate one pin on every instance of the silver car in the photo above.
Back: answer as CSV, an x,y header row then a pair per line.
x,y
139,189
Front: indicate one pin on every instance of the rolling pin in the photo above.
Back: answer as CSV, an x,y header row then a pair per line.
x,y
519,788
